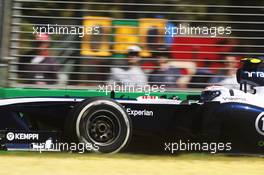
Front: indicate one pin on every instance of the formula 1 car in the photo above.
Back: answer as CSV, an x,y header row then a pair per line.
x,y
232,117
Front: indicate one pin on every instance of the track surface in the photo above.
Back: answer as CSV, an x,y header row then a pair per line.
x,y
28,163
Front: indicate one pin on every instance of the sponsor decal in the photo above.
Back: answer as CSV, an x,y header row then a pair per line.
x,y
257,74
144,112
10,136
234,99
259,123
21,136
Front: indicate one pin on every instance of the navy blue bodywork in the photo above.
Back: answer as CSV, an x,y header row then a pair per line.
x,y
208,122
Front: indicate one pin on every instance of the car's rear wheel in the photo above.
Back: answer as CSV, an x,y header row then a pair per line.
x,y
101,122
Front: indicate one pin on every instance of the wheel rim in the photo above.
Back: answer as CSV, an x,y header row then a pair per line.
x,y
123,124
102,128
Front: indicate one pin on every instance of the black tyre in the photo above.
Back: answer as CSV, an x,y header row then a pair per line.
x,y
101,122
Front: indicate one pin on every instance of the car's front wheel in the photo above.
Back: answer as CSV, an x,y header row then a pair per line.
x,y
101,122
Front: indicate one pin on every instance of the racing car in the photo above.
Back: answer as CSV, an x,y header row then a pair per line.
x,y
218,115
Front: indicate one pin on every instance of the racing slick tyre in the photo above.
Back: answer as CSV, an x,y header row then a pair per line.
x,y
101,122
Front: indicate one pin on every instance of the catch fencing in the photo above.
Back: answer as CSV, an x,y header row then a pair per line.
x,y
84,44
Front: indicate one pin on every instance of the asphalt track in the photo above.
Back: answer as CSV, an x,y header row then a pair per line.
x,y
33,163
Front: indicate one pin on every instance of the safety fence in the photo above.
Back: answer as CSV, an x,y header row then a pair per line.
x,y
171,45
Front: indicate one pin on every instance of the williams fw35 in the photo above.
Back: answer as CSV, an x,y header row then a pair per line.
x,y
232,117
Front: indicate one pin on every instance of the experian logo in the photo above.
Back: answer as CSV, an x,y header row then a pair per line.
x,y
139,112
21,136
258,74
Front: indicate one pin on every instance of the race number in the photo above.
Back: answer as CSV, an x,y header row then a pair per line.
x,y
259,124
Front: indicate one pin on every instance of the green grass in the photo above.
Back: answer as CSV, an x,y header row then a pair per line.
x,y
14,163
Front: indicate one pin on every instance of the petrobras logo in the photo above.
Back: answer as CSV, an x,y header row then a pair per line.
x,y
257,74
135,113
10,136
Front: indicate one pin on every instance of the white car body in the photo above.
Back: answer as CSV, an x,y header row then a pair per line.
x,y
238,96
